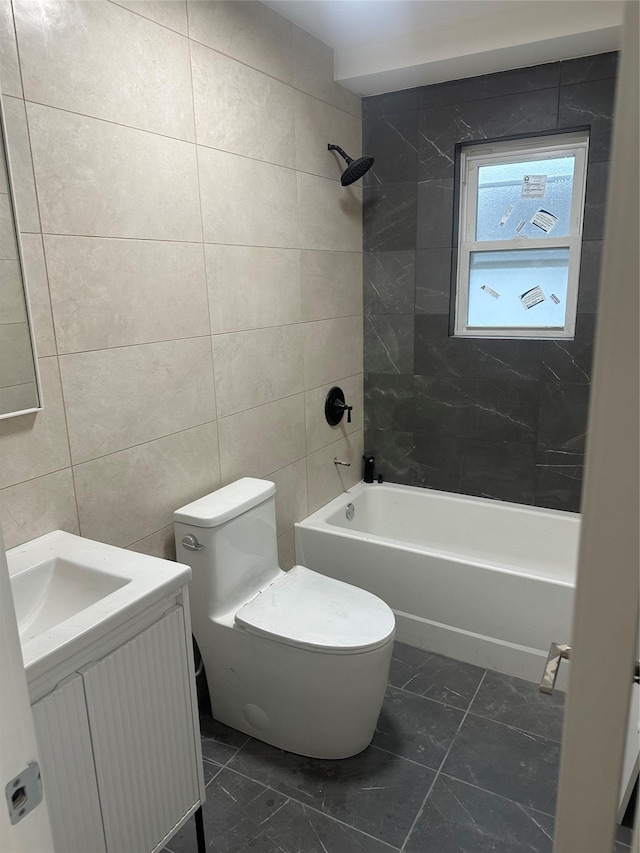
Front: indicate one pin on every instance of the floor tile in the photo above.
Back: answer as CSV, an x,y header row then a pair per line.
x,y
520,704
496,792
459,817
242,815
517,765
237,812
219,742
416,728
374,791
308,831
213,750
434,676
210,770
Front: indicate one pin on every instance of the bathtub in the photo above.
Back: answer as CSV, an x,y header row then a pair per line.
x,y
482,581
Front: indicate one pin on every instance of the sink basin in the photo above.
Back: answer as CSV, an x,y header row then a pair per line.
x,y
69,591
54,590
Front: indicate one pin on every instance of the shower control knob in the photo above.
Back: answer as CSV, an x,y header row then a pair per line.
x,y
335,407
191,543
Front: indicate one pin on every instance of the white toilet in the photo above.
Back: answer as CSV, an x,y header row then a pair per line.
x,y
296,659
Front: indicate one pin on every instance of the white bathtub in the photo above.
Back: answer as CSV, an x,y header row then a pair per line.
x,y
483,581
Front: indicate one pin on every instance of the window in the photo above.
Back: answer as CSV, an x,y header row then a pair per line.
x,y
521,205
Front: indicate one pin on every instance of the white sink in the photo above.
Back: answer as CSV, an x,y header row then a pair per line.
x,y
69,591
51,592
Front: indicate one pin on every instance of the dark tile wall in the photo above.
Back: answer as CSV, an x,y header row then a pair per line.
x,y
499,419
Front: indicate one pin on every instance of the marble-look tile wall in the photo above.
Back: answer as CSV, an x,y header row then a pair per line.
x,y
194,264
501,419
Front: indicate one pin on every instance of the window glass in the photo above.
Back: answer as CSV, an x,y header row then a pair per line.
x,y
520,213
511,194
519,288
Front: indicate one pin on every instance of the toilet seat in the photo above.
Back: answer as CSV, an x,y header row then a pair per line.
x,y
311,611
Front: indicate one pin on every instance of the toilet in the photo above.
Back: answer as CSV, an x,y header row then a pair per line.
x,y
295,659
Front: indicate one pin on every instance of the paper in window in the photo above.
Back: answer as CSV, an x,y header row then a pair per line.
x,y
532,297
544,220
533,186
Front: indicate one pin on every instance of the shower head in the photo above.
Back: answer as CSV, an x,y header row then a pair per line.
x,y
355,168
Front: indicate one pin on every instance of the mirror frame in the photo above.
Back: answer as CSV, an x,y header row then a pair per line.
x,y
20,258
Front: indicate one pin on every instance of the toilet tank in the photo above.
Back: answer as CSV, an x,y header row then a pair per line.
x,y
236,527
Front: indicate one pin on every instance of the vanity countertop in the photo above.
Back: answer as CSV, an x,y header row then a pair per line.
x,y
70,592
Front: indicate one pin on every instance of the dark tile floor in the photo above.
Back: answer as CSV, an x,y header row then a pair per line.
x,y
463,760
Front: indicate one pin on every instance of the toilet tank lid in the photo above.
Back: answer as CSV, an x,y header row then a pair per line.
x,y
225,503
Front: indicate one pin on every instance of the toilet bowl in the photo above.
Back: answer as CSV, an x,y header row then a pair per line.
x,y
295,659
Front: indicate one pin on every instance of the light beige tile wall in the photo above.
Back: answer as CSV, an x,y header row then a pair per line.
x,y
194,264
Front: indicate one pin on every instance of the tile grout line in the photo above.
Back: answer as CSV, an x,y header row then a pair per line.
x,y
494,794
429,698
404,689
279,79
418,108
310,807
516,728
403,757
438,771
188,36
73,465
137,444
180,140
38,477
181,339
135,344
299,802
71,235
153,20
213,765
204,252
236,749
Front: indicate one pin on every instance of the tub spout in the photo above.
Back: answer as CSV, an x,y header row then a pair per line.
x,y
369,462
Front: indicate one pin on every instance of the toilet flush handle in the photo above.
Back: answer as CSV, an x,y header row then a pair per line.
x,y
191,543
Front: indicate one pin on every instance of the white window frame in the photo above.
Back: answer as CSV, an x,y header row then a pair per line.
x,y
517,151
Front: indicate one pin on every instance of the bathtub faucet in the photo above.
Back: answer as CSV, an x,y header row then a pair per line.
x,y
369,462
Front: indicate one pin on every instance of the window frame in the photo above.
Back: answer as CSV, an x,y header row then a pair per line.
x,y
535,147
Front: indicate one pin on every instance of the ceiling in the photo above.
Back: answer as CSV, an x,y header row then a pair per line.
x,y
386,45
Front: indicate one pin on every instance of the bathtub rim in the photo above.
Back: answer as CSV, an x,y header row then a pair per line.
x,y
319,520
361,486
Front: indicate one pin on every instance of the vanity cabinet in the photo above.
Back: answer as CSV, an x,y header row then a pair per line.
x,y
119,744
68,770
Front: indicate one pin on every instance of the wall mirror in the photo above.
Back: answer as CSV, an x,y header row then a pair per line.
x,y
20,390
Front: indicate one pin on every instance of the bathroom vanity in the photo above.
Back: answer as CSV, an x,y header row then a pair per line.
x,y
106,641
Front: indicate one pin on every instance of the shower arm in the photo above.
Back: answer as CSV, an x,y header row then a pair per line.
x,y
340,151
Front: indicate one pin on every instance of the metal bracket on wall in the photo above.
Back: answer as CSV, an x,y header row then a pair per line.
x,y
24,793
559,652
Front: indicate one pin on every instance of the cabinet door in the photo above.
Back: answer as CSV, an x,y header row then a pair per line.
x,y
140,716
68,774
